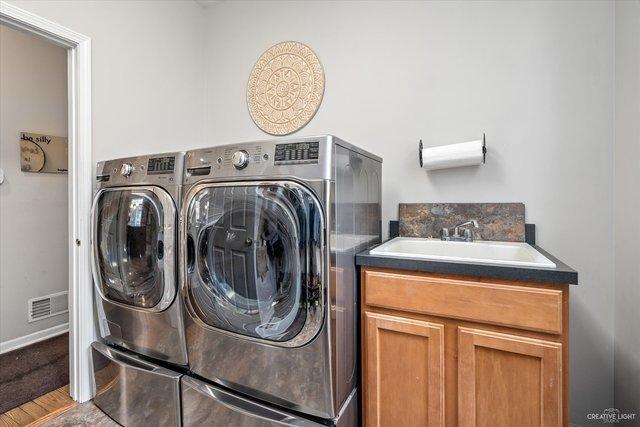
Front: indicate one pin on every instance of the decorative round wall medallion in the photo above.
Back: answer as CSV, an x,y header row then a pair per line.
x,y
285,88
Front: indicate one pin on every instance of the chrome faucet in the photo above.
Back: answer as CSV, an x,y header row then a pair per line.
x,y
467,233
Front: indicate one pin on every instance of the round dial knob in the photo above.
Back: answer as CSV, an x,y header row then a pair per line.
x,y
240,159
126,169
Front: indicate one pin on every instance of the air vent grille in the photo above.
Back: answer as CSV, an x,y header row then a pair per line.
x,y
48,305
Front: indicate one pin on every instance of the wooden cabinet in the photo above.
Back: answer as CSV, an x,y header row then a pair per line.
x,y
508,380
451,350
408,356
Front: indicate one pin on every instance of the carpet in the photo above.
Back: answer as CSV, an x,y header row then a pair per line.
x,y
32,371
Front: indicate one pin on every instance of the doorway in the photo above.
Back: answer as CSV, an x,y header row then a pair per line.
x,y
34,260
77,241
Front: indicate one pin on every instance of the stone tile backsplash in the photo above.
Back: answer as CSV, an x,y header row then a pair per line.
x,y
498,221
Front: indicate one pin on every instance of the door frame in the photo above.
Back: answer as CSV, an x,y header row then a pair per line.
x,y
81,325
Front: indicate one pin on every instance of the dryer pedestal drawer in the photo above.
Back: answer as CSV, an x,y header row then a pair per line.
x,y
133,391
205,404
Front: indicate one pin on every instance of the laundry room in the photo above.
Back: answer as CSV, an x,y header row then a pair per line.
x,y
380,213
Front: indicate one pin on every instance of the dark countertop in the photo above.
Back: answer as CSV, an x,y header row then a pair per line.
x,y
562,274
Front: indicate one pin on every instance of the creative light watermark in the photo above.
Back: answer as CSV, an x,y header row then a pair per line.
x,y
612,416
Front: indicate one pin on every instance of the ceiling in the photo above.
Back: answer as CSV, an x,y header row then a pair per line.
x,y
208,3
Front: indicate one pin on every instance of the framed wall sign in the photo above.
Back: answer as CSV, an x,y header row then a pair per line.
x,y
43,153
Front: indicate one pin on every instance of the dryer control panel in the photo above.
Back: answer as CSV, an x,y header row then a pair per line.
x,y
160,169
159,165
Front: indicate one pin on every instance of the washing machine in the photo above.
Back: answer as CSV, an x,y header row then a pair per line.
x,y
268,235
134,243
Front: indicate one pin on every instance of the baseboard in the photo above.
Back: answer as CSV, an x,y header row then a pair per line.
x,y
33,338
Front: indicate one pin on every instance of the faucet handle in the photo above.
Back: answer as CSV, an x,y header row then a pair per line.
x,y
470,222
444,233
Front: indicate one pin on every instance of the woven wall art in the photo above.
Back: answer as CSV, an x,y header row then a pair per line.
x,y
285,88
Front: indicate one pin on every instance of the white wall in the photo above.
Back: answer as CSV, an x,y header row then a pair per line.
x,y
147,76
147,71
627,207
537,77
33,206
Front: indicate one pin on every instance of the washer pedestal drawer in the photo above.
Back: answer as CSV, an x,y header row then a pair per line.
x,y
132,391
206,404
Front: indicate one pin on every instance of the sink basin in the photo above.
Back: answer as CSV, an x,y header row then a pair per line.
x,y
477,252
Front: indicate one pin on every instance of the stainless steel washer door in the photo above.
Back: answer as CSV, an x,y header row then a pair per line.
x,y
133,244
254,260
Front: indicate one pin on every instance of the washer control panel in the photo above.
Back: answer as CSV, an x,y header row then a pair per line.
x,y
240,159
304,158
296,153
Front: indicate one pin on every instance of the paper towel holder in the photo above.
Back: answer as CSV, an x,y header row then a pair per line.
x,y
484,150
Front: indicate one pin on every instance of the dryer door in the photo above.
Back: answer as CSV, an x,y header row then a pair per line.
x,y
255,264
133,246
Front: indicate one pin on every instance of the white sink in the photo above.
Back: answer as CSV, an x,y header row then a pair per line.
x,y
478,252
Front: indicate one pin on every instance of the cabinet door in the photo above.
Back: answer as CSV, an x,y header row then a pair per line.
x,y
507,380
404,378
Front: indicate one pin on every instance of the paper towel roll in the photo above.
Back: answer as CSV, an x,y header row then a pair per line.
x,y
453,155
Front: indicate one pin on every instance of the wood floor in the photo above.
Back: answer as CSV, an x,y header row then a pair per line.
x,y
40,410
